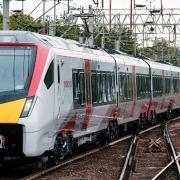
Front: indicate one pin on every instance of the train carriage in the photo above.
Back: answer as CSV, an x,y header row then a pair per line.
x,y
56,94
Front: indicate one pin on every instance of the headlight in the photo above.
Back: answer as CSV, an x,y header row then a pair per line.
x,y
27,107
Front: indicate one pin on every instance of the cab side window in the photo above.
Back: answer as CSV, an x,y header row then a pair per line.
x,y
49,77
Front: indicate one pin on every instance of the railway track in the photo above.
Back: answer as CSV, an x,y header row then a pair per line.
x,y
109,162
79,166
150,155
171,170
153,154
100,163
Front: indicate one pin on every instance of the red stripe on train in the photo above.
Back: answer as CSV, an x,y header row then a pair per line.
x,y
88,94
86,117
41,57
71,123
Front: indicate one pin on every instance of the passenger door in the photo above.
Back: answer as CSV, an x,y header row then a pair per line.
x,y
58,97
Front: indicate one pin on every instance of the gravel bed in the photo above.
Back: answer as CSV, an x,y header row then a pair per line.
x,y
103,165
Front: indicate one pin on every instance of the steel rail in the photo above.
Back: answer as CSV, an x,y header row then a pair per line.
x,y
175,157
81,156
129,154
174,154
43,172
133,143
165,168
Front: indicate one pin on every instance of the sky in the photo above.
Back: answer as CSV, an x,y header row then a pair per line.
x,y
29,5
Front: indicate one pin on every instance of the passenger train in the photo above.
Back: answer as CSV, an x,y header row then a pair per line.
x,y
57,94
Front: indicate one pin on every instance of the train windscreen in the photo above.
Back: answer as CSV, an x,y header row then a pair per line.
x,y
16,67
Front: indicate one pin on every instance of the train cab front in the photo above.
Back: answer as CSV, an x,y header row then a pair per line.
x,y
17,93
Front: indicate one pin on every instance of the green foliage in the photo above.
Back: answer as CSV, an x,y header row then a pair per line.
x,y
20,21
72,32
1,21
126,41
162,50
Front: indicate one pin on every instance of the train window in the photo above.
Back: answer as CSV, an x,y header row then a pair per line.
x,y
167,85
103,87
125,86
78,87
106,86
121,86
142,86
98,88
154,86
113,91
148,85
49,77
58,73
175,85
16,68
94,84
138,86
157,86
129,86
82,88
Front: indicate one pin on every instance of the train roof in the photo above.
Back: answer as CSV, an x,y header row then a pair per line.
x,y
65,45
31,37
19,37
79,49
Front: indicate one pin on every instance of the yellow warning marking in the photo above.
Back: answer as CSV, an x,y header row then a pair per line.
x,y
11,111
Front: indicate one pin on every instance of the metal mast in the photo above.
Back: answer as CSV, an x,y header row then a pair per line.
x,y
5,14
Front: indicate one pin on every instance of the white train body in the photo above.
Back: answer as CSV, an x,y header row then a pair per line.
x,y
78,90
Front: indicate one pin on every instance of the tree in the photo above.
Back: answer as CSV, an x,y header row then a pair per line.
x,y
20,21
162,51
68,32
126,40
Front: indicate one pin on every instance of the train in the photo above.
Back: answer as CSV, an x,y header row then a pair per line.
x,y
57,94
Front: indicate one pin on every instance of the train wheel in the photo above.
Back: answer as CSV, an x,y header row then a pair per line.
x,y
103,137
43,163
153,118
142,121
113,130
116,129
63,146
70,144
56,160
58,153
